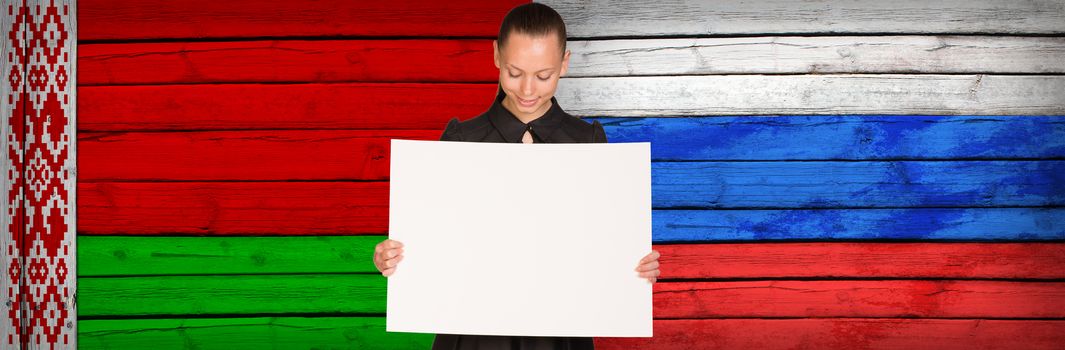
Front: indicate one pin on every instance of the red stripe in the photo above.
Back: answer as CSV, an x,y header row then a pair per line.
x,y
829,260
891,298
288,61
155,19
769,334
299,106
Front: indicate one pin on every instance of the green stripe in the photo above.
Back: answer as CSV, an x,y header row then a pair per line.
x,y
154,255
230,295
247,333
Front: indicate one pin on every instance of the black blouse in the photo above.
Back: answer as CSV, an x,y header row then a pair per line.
x,y
499,125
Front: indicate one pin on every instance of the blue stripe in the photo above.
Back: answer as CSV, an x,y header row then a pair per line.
x,y
844,137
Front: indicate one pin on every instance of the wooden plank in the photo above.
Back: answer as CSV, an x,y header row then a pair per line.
x,y
331,208
813,94
846,333
876,184
233,208
241,155
160,19
279,106
50,158
231,294
252,333
169,255
984,224
843,137
699,18
917,299
818,55
286,61
863,260
365,294
363,155
12,136
368,333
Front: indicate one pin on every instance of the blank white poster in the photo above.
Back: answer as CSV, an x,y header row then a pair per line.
x,y
520,239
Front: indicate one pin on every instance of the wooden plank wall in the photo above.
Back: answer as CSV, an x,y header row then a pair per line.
x,y
826,174
839,174
37,219
234,162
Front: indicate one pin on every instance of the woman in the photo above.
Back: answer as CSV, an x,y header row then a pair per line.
x,y
531,55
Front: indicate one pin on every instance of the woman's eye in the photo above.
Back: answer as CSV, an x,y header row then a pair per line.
x,y
512,75
543,78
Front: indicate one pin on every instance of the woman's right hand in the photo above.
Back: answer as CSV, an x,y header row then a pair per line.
x,y
386,255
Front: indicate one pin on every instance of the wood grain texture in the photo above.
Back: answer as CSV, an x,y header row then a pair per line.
x,y
170,255
856,137
368,333
231,294
816,184
846,333
938,224
344,208
813,94
818,55
863,260
694,18
279,106
241,155
252,333
279,61
365,294
202,19
917,299
233,208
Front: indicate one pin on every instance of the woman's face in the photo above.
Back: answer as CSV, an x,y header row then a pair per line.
x,y
529,69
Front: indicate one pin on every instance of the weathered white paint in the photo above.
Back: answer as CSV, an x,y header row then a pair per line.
x,y
813,94
603,18
798,55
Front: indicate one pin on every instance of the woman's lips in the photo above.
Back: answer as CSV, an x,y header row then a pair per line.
x,y
527,103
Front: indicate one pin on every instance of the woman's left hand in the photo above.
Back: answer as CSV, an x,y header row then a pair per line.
x,y
648,267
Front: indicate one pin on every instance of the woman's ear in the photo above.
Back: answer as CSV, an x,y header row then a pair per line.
x,y
495,54
565,63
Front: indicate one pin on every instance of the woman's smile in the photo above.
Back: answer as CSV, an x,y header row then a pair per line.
x,y
528,103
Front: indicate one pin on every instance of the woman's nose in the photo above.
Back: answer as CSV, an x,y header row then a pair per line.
x,y
527,87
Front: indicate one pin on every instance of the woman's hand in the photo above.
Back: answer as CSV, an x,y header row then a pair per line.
x,y
648,267
386,255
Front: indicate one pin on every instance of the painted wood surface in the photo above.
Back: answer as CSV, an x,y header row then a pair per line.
x,y
365,294
233,208
939,224
104,256
814,94
438,60
846,333
11,226
279,106
368,333
1015,260
253,333
330,208
202,19
274,61
228,295
586,19
852,137
818,55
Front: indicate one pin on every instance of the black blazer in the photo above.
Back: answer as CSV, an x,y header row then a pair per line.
x,y
497,124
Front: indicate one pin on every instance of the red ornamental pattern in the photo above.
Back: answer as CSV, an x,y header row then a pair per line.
x,y
39,175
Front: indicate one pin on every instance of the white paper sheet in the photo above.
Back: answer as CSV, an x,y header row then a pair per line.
x,y
520,239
